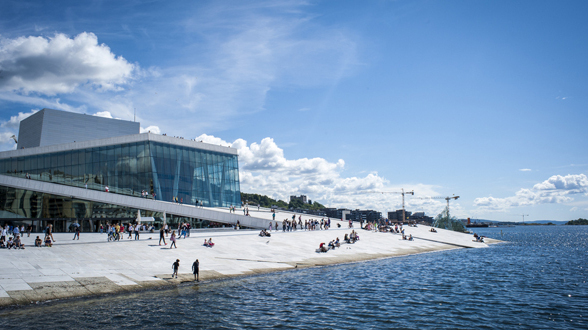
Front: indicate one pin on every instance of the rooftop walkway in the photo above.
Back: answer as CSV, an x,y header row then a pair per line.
x,y
256,219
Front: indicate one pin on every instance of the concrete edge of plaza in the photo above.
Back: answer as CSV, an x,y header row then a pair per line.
x,y
143,204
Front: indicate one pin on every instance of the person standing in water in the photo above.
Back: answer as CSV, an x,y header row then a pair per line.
x,y
175,267
195,270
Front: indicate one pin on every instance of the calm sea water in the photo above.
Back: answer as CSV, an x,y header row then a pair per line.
x,y
537,280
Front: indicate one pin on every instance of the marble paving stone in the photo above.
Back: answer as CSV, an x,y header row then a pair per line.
x,y
14,285
120,280
51,271
48,278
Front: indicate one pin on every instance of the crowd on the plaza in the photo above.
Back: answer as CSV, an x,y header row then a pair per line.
x,y
6,241
293,225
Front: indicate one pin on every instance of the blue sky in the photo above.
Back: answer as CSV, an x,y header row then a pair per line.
x,y
333,99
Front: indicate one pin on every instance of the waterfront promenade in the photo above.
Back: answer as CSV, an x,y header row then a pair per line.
x,y
93,266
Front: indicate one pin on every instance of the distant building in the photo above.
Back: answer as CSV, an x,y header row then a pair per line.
x,y
396,216
364,215
335,213
301,198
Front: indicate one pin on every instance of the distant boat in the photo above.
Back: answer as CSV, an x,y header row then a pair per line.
x,y
477,225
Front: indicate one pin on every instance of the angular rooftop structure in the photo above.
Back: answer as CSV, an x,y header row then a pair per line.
x,y
48,127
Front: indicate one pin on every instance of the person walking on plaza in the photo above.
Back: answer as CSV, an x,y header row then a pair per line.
x,y
173,240
175,267
137,228
195,270
50,232
76,231
161,236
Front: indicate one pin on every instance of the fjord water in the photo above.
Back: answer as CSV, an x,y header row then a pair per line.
x,y
535,280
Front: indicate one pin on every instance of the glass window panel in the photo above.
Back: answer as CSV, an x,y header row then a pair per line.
x,y
58,174
67,158
74,170
38,161
27,164
164,151
20,164
46,161
60,159
140,150
82,157
125,150
75,158
133,165
110,153
89,155
103,155
133,150
95,168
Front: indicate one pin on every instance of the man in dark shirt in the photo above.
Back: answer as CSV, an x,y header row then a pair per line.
x,y
161,236
195,270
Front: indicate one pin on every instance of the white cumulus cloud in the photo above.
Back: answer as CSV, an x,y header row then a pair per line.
x,y
14,121
264,169
103,114
151,129
60,64
556,189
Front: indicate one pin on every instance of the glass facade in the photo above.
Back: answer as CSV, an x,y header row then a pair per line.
x,y
20,206
162,170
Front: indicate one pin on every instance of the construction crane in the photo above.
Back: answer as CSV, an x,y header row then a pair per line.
x,y
448,198
402,192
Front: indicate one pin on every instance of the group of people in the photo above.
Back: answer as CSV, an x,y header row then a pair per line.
x,y
264,233
208,243
116,231
195,269
406,238
145,194
6,241
16,243
352,238
333,244
293,225
183,230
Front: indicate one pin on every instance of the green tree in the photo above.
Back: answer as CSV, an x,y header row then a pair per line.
x,y
580,221
444,221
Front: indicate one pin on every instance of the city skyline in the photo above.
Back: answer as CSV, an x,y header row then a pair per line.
x,y
333,100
